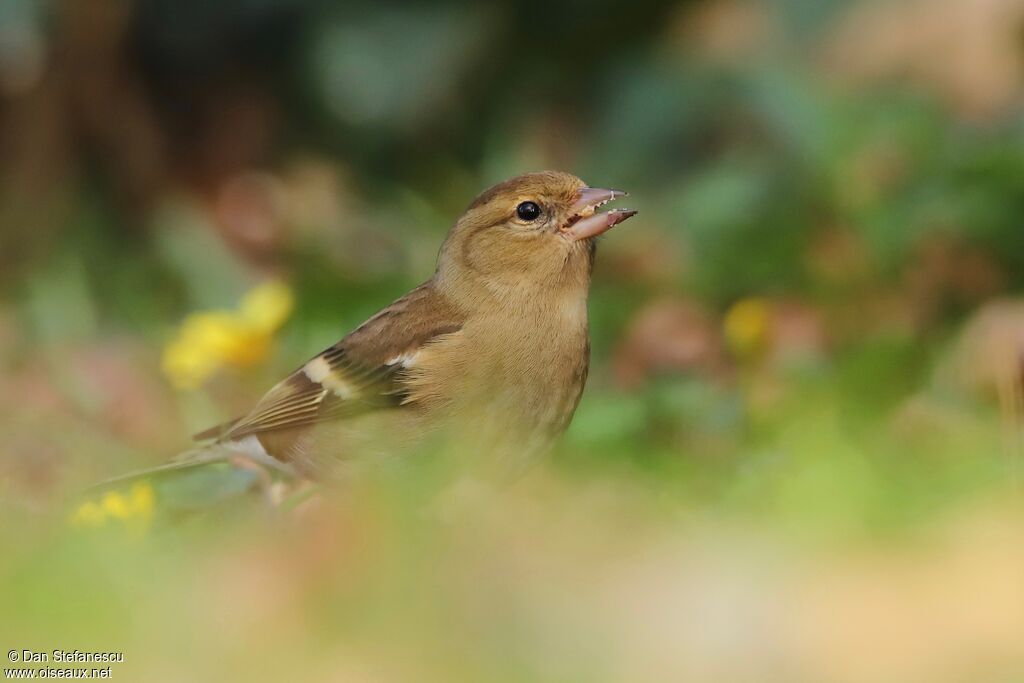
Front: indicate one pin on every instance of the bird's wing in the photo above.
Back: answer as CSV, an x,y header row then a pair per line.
x,y
362,372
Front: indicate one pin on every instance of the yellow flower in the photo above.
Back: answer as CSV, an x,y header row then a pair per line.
x,y
268,306
211,340
747,326
134,508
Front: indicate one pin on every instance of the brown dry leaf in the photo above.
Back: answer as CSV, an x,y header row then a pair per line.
x,y
726,31
798,330
670,335
249,212
943,269
988,359
652,256
873,173
967,51
124,393
318,198
838,256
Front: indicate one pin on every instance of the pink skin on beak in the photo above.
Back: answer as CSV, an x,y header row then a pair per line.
x,y
585,223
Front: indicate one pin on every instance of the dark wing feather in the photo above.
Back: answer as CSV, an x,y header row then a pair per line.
x,y
299,401
356,375
217,431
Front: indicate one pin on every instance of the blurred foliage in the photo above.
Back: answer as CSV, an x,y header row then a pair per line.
x,y
807,376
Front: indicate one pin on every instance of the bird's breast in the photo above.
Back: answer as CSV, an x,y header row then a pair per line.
x,y
516,371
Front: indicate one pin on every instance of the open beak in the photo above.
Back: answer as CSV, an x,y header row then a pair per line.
x,y
584,222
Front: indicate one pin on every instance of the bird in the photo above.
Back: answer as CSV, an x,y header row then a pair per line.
x,y
489,355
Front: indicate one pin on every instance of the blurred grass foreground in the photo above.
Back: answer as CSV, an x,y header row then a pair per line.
x,y
799,457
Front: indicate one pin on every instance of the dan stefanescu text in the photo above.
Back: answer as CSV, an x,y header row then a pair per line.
x,y
71,656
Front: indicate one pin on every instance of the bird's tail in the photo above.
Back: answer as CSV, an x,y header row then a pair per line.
x,y
193,480
195,458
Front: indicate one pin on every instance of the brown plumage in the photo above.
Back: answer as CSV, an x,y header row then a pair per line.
x,y
490,354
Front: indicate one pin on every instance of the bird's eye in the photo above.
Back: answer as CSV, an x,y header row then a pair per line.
x,y
528,211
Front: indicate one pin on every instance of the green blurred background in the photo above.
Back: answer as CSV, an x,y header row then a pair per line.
x,y
799,455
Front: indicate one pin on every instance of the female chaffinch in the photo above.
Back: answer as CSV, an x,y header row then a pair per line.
x,y
492,350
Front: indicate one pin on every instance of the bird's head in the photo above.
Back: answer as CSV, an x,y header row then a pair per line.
x,y
536,229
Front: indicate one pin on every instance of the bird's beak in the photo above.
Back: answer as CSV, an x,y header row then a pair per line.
x,y
584,222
